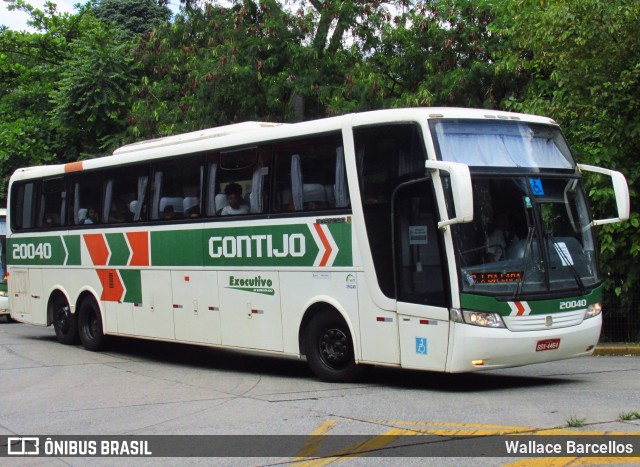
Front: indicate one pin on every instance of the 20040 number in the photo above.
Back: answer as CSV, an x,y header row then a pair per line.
x,y
571,304
31,251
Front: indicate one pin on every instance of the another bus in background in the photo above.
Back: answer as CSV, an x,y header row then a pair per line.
x,y
4,294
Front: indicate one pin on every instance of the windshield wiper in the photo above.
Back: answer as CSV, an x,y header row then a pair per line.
x,y
529,242
567,261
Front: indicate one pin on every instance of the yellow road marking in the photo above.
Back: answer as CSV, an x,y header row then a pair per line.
x,y
364,447
377,442
572,461
317,437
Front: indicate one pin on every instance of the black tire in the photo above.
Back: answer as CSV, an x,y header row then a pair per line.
x,y
329,348
90,325
65,323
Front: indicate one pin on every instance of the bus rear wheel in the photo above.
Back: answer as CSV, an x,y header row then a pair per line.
x,y
90,325
329,348
65,323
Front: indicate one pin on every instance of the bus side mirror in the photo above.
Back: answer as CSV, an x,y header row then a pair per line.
x,y
620,189
460,188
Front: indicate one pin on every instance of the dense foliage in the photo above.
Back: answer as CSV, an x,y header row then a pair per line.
x,y
123,70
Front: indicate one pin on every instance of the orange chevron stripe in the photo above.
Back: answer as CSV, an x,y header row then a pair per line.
x,y
325,243
98,249
112,287
139,242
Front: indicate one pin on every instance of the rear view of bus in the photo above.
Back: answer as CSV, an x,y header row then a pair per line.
x,y
4,295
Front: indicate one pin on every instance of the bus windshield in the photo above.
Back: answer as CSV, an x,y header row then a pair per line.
x,y
530,234
505,144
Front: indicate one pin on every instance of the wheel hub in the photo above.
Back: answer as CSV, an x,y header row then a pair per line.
x,y
334,347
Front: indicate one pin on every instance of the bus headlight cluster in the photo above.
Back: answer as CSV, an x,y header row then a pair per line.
x,y
3,293
477,318
593,310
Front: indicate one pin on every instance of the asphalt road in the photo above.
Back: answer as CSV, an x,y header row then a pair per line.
x,y
139,388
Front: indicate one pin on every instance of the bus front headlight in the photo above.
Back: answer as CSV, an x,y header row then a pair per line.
x,y
477,318
593,310
3,293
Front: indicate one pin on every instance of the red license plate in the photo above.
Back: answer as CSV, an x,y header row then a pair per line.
x,y
548,344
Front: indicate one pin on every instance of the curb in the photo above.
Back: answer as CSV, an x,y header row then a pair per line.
x,y
617,350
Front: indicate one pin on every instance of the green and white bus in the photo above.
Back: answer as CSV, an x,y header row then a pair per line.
x,y
438,239
4,294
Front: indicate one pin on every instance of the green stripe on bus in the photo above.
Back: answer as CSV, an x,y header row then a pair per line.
x,y
133,285
120,251
342,236
538,307
291,245
176,248
36,251
72,243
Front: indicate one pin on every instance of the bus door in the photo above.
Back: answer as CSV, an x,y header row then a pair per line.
x,y
420,277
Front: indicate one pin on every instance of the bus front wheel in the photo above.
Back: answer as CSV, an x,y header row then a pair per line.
x,y
65,323
329,348
90,325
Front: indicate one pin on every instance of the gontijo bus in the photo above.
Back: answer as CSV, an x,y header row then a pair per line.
x,y
436,238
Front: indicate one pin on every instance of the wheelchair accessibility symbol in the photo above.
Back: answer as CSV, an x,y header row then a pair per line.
x,y
421,345
536,186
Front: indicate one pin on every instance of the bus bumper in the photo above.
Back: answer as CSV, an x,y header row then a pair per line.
x,y
475,348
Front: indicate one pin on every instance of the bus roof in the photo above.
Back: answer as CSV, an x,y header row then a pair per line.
x,y
195,136
236,135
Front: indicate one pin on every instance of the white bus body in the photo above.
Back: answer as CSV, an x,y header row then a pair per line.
x,y
360,239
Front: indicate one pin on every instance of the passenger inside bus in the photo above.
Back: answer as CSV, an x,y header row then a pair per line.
x,y
92,216
233,191
120,213
168,212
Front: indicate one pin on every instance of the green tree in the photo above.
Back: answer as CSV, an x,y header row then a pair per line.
x,y
134,16
237,70
64,89
29,66
91,100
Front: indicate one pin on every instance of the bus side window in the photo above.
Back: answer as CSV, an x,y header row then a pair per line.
x,y
53,195
87,199
310,175
244,171
125,194
23,206
177,184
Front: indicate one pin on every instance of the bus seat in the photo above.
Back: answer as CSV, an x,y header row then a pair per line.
x,y
133,205
82,215
314,193
175,202
190,205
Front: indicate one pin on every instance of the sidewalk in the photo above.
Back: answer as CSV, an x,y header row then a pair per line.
x,y
617,349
